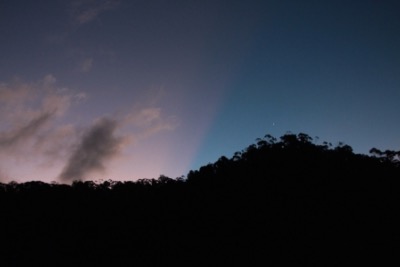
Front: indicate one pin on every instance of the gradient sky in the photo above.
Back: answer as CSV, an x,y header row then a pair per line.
x,y
125,89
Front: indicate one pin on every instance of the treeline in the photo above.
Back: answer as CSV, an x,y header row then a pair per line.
x,y
283,202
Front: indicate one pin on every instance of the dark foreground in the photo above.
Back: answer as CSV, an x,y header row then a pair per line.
x,y
277,203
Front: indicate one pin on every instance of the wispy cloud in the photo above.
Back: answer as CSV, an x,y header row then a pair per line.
x,y
143,117
80,97
86,65
84,11
148,121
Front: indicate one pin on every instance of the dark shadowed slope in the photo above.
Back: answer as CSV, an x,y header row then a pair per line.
x,y
286,202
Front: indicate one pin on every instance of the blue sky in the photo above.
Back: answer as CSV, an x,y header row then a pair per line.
x,y
136,89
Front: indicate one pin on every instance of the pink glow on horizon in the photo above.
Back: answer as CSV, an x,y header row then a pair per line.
x,y
156,141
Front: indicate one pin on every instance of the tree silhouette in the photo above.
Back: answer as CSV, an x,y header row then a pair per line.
x,y
286,202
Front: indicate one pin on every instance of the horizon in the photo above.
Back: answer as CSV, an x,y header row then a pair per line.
x,y
323,145
127,90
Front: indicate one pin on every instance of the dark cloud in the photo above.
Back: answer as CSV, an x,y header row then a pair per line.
x,y
97,145
25,132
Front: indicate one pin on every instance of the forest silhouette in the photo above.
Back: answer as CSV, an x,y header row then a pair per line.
x,y
278,202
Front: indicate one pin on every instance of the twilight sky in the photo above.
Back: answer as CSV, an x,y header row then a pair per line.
x,y
128,89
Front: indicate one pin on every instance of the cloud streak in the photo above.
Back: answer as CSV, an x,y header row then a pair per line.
x,y
84,11
98,145
23,133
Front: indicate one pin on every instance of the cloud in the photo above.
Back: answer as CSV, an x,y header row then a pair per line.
x,y
80,97
98,145
86,65
30,126
49,80
84,11
143,117
35,132
12,95
148,121
26,107
19,135
55,143
21,102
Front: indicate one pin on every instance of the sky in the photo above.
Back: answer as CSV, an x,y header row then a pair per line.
x,y
129,89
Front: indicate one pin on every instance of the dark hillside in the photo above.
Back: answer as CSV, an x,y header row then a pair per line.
x,y
286,202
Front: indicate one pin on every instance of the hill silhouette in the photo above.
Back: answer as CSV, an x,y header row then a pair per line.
x,y
278,202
